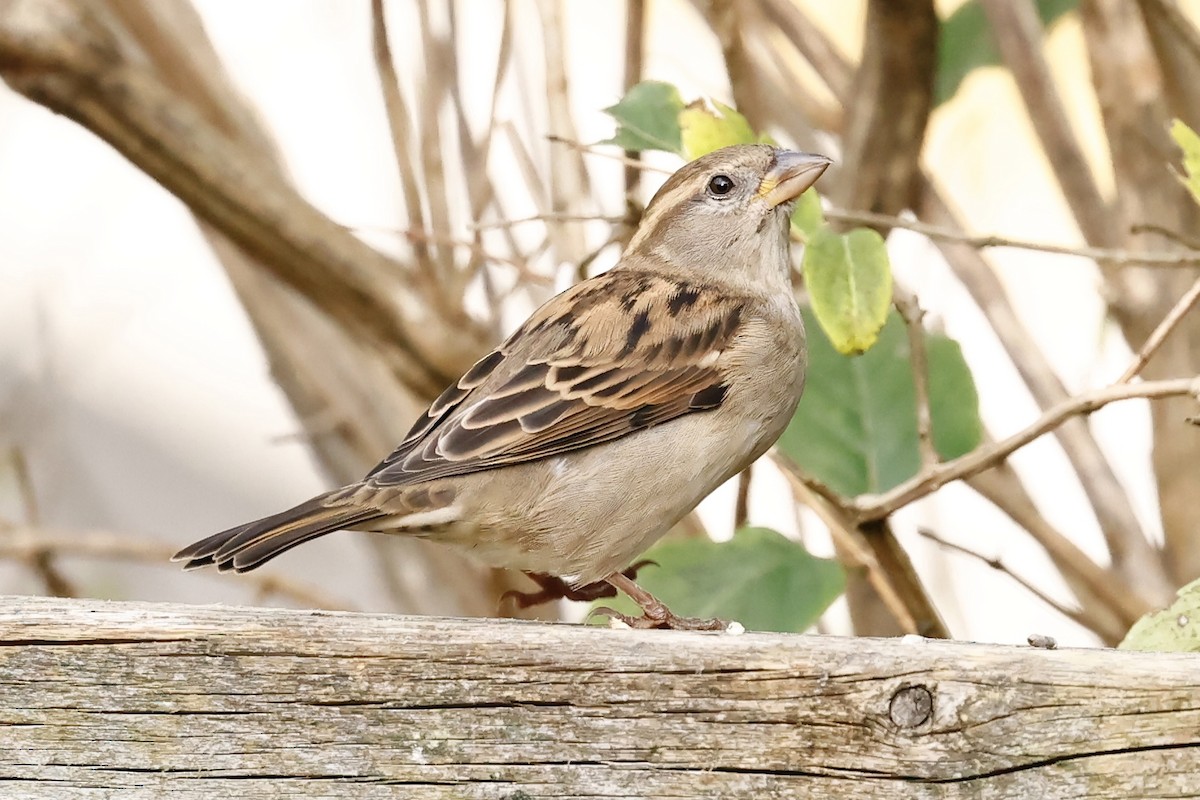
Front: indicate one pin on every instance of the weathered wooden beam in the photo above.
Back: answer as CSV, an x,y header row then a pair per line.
x,y
137,700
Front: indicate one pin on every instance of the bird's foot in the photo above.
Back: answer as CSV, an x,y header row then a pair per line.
x,y
655,613
663,619
554,588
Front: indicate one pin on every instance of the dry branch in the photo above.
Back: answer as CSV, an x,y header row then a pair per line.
x,y
933,478
202,702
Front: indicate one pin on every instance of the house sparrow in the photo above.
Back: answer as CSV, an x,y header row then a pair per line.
x,y
611,412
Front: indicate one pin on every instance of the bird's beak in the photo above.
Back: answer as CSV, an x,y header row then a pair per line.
x,y
792,174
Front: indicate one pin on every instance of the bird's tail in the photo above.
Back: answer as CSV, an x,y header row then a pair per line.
x,y
249,546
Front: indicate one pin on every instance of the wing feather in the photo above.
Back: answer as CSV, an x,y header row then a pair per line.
x,y
614,354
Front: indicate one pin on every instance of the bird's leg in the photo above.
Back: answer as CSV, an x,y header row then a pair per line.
x,y
655,614
554,588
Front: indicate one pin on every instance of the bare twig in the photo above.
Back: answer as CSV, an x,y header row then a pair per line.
x,y
1132,553
1109,602
400,126
551,217
1073,614
1159,335
594,150
1186,258
910,310
932,479
811,482
1170,234
851,540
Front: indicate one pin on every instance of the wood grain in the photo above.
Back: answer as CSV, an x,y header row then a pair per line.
x,y
137,700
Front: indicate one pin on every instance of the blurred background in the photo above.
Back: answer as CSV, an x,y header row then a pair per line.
x,y
168,369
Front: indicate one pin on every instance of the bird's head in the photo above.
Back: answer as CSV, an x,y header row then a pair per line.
x,y
728,210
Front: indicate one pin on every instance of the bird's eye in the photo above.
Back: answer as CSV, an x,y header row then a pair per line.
x,y
720,185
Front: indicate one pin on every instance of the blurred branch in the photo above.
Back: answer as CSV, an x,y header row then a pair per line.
x,y
399,125
826,60
889,573
912,314
635,57
887,107
1109,604
850,543
933,478
26,542
69,59
1176,43
551,217
1159,335
568,181
943,233
40,563
1132,553
1141,64
1075,615
741,508
594,150
1017,29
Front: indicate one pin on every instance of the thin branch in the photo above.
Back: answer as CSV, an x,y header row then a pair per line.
x,y
932,479
851,539
1159,335
1170,234
912,314
1131,549
446,240
1124,258
1105,597
593,150
26,542
812,483
1073,614
399,125
550,217
1132,553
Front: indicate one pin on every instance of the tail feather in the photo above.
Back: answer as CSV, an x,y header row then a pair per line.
x,y
249,546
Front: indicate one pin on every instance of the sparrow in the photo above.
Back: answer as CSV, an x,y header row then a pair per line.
x,y
611,412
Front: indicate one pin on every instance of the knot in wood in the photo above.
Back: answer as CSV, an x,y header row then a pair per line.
x,y
911,707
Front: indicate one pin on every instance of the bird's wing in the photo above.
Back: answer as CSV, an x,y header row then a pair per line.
x,y
617,353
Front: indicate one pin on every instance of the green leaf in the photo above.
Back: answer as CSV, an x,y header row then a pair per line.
x,y
965,42
1189,143
856,426
1175,629
760,578
707,128
808,217
648,118
849,278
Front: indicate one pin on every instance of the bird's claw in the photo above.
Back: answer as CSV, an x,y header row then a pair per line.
x,y
665,620
553,588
